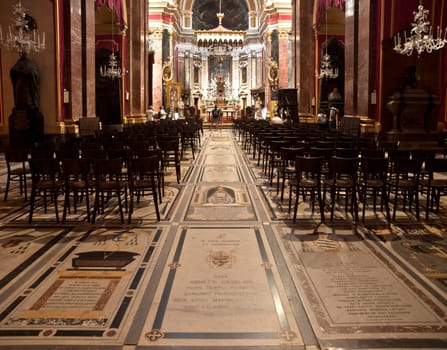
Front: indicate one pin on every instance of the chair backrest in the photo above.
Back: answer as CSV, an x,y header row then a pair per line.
x,y
169,145
326,153
374,167
407,167
16,155
144,165
111,169
340,166
288,154
78,167
436,165
308,165
373,153
44,168
346,152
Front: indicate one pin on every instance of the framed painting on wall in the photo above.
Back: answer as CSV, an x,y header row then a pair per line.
x,y
173,94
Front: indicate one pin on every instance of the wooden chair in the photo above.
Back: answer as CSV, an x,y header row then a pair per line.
x,y
374,180
307,179
342,178
45,174
109,181
143,177
286,170
78,181
405,181
170,154
436,184
18,170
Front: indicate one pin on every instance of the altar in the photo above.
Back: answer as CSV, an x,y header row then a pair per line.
x,y
229,113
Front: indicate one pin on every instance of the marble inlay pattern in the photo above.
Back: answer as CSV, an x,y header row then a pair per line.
x,y
235,293
87,289
220,203
352,290
220,174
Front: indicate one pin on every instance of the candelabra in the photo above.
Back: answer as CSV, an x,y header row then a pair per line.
x,y
112,69
22,35
326,70
421,36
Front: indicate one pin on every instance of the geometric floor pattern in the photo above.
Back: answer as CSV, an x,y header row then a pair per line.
x,y
225,268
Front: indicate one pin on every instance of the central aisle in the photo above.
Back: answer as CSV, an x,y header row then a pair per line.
x,y
219,282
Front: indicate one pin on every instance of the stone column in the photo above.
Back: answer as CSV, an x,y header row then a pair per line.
x,y
283,58
235,81
254,71
351,50
82,63
304,47
364,63
90,59
137,64
75,68
188,75
157,36
267,55
204,80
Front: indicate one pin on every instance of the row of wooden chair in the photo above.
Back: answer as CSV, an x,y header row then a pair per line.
x,y
81,178
366,178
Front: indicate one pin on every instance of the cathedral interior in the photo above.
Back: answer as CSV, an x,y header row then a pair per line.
x,y
308,212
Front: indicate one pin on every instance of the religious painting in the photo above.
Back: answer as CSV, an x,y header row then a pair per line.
x,y
166,71
235,11
173,94
219,67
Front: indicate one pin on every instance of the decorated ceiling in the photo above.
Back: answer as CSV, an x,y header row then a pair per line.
x,y
235,11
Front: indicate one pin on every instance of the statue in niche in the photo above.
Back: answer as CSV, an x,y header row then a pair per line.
x,y
25,121
25,80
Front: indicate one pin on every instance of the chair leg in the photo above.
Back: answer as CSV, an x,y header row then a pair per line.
x,y
387,207
66,204
364,203
295,209
157,210
333,194
95,207
120,205
55,194
6,188
321,204
31,208
354,200
129,214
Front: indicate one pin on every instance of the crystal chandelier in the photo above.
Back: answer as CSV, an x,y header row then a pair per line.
x,y
22,35
421,38
112,70
327,71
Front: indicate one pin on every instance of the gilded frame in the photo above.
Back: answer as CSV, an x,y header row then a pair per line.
x,y
173,94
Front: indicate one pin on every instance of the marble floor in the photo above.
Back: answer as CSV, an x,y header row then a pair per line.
x,y
225,268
